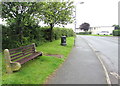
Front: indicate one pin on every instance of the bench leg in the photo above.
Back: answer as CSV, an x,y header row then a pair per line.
x,y
7,61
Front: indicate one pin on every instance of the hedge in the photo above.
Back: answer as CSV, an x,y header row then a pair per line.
x,y
38,35
116,32
58,32
84,33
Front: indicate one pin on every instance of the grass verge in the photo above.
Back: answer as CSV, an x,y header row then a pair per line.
x,y
0,68
99,35
36,71
94,35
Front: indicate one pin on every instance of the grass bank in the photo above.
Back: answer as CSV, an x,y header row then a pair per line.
x,y
99,35
36,71
0,68
94,35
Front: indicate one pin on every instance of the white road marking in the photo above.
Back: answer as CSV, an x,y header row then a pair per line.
x,y
105,69
115,75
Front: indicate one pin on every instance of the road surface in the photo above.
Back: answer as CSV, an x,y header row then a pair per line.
x,y
107,49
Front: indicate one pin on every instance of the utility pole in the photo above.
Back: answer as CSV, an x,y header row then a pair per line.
x,y
75,18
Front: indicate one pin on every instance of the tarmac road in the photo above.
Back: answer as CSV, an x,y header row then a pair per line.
x,y
81,67
107,48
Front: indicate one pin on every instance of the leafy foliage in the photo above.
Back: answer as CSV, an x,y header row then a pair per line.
x,y
85,26
19,17
54,13
116,32
39,36
84,33
116,27
23,19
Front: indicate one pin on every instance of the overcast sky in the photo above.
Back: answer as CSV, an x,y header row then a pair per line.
x,y
97,12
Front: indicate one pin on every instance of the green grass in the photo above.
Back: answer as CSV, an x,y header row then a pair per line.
x,y
0,68
36,71
56,48
99,35
94,35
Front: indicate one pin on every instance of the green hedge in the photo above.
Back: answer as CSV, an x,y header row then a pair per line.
x,y
37,35
84,33
58,32
116,32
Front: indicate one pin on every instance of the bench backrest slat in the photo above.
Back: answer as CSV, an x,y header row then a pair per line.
x,y
16,55
23,51
15,49
28,53
12,59
21,56
29,50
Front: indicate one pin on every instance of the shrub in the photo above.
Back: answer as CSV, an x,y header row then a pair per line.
x,y
116,32
58,32
84,33
37,35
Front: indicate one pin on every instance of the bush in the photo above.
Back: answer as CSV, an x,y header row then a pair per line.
x,y
58,32
84,33
9,40
37,35
116,32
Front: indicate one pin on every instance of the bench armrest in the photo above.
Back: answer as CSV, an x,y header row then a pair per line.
x,y
15,66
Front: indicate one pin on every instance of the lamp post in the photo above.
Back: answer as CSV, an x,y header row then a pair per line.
x,y
75,18
75,13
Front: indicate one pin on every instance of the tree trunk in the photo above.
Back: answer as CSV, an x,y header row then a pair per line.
x,y
20,30
51,34
21,35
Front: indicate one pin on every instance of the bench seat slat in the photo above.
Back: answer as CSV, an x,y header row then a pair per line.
x,y
24,54
34,55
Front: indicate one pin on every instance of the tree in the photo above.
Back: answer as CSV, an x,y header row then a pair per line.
x,y
117,27
55,13
19,15
85,26
22,17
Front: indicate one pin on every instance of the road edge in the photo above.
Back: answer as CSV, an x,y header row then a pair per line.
x,y
102,63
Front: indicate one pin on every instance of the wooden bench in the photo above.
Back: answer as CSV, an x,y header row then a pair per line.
x,y
15,57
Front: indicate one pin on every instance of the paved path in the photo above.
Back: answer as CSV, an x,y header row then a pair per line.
x,y
81,67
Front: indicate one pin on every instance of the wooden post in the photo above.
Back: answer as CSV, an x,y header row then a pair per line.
x,y
7,61
34,47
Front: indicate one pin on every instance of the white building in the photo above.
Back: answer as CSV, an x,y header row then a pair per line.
x,y
96,30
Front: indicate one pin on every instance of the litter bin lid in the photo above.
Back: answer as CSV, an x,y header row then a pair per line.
x,y
63,36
